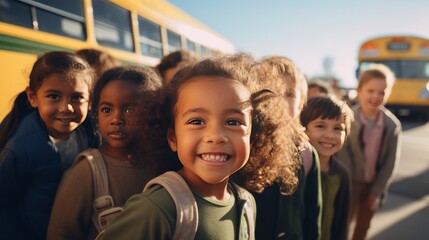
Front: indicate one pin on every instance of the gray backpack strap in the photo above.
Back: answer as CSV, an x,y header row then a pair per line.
x,y
104,209
306,152
248,208
186,205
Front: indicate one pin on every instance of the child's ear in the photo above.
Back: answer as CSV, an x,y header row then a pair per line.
x,y
31,96
171,138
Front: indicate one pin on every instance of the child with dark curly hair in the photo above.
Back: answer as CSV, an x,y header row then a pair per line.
x,y
218,122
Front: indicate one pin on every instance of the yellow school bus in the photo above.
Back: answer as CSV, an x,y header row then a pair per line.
x,y
133,31
408,57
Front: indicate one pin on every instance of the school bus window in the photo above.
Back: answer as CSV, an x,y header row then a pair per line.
x,y
427,70
415,69
69,6
174,41
191,46
112,25
150,38
203,51
47,16
392,64
54,23
16,13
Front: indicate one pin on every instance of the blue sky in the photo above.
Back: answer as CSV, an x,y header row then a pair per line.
x,y
310,31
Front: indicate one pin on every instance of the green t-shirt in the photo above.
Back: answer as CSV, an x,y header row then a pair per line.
x,y
217,219
330,186
152,215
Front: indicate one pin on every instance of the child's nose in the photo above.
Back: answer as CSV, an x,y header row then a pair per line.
x,y
215,134
330,134
66,107
117,119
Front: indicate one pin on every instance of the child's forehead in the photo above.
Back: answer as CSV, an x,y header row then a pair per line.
x,y
215,83
68,79
72,77
372,81
202,90
119,87
337,119
378,80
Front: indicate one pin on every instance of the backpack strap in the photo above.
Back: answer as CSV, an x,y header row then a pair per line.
x,y
186,205
104,209
306,153
248,208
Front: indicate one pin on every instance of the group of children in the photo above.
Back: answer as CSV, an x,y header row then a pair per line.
x,y
75,158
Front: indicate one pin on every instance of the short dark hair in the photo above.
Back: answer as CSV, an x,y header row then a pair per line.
x,y
327,107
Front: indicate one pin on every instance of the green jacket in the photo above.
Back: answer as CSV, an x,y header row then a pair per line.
x,y
292,217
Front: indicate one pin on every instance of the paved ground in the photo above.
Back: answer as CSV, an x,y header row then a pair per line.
x,y
406,212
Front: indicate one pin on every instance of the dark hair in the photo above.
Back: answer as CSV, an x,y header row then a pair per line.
x,y
177,58
271,154
146,80
322,86
56,62
326,107
147,85
99,60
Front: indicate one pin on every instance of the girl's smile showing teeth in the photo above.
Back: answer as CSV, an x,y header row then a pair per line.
x,y
327,145
65,120
214,157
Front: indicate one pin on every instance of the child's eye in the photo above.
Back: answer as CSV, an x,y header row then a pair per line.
x,y
233,122
105,110
319,126
196,122
54,96
130,110
78,98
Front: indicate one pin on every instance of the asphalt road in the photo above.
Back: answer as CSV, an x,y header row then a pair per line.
x,y
406,212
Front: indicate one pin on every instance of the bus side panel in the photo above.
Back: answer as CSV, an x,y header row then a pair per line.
x,y
407,94
15,68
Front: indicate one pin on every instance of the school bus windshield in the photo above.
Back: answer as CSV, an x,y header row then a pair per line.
x,y
410,69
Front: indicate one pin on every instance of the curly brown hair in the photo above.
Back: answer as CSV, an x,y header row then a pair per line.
x,y
273,131
271,73
278,70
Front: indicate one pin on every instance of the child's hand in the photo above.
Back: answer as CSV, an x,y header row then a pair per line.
x,y
372,201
